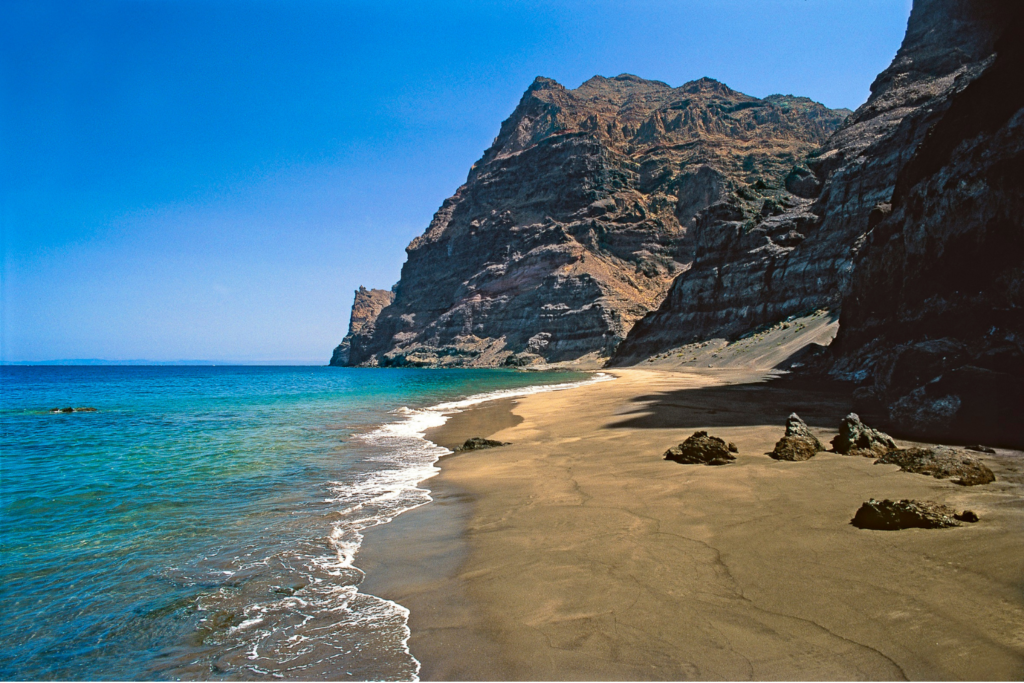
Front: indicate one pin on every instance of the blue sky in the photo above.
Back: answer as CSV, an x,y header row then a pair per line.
x,y
212,180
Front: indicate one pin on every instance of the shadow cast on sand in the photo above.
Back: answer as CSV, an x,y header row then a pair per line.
x,y
820,404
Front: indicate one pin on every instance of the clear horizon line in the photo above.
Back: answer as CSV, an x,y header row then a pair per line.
x,y
182,361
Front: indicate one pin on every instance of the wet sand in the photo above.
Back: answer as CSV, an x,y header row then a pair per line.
x,y
578,553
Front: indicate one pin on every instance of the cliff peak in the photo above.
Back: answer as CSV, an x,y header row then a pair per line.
x,y
573,223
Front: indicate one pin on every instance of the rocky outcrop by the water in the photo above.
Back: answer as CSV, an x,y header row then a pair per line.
x,y
940,462
891,515
701,449
366,307
578,217
476,443
73,410
798,254
933,326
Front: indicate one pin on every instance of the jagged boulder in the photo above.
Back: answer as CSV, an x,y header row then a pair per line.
x,y
477,443
890,515
856,438
942,463
794,448
798,443
701,449
797,427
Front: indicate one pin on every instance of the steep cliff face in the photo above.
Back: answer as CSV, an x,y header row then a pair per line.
x,y
752,270
366,307
934,322
573,224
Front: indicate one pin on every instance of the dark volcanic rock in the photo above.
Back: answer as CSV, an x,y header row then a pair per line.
x,y
73,410
856,438
755,270
797,427
968,516
795,448
366,307
941,463
575,221
890,515
476,443
798,443
701,449
935,315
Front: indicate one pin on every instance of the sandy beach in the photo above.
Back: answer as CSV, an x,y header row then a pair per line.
x,y
579,553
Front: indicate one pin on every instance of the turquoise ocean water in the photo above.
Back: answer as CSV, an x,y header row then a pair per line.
x,y
204,522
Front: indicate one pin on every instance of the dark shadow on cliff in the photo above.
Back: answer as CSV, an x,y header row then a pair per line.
x,y
820,403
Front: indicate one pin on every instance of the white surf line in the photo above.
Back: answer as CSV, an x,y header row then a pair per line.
x,y
414,428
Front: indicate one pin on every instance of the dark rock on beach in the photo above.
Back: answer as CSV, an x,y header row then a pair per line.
x,y
890,515
942,463
795,448
968,516
856,438
798,444
477,443
798,428
701,449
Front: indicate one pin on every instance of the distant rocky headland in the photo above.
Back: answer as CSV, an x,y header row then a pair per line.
x,y
621,220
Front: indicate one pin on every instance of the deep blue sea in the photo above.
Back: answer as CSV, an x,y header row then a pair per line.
x,y
204,522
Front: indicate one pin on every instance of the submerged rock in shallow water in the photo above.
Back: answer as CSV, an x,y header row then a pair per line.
x,y
942,463
477,443
701,449
890,515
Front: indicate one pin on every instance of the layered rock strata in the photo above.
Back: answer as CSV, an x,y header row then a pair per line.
x,y
933,326
574,223
753,268
366,307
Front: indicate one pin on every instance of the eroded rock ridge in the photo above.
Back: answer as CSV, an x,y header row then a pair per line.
x,y
366,307
574,223
751,268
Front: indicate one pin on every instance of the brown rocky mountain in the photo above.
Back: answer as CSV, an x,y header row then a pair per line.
x,y
750,270
933,325
367,306
576,220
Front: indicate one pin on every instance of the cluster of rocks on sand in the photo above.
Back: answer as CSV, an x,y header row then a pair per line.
x,y
857,439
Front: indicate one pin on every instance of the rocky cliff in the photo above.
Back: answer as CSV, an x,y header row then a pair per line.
x,y
933,325
751,269
578,217
366,307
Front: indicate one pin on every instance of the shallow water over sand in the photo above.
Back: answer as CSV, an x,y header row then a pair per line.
x,y
204,521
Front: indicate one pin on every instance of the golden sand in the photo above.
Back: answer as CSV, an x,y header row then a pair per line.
x,y
579,553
